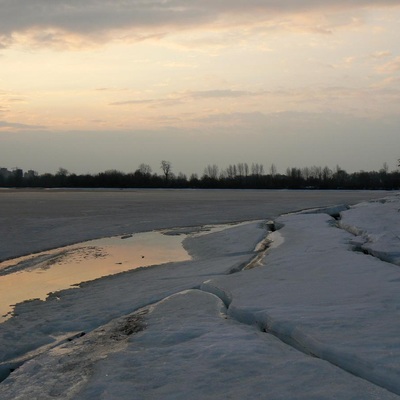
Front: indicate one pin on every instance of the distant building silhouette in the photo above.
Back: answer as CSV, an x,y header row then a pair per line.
x,y
5,173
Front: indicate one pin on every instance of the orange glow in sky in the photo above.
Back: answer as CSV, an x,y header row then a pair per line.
x,y
96,85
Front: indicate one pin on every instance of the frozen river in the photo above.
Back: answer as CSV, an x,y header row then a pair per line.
x,y
35,220
307,318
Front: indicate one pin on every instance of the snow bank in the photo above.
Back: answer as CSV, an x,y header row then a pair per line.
x,y
318,295
377,225
183,347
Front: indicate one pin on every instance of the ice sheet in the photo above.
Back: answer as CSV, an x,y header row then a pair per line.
x,y
184,347
315,319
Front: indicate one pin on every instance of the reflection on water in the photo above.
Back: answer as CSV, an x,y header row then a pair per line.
x,y
37,275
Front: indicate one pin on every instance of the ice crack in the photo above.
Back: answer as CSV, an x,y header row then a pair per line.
x,y
287,333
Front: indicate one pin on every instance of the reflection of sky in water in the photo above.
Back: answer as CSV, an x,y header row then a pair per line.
x,y
37,275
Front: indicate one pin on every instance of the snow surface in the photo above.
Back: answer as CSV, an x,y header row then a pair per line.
x,y
377,226
314,318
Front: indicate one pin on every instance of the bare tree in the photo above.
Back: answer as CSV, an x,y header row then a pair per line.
x,y
272,170
231,171
145,169
257,169
246,169
240,169
385,168
326,173
305,173
211,171
62,172
182,176
166,166
316,172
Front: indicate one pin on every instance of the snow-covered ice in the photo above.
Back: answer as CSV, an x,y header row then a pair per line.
x,y
70,312
376,225
313,318
317,294
184,347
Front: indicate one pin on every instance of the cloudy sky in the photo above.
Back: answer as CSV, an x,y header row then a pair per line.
x,y
109,84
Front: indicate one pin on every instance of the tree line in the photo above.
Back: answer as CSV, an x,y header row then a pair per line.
x,y
235,176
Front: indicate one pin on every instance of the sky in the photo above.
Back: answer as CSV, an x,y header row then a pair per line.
x,y
98,84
